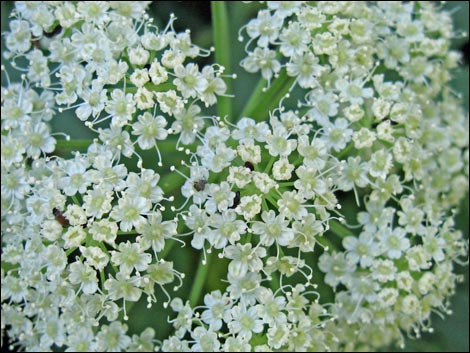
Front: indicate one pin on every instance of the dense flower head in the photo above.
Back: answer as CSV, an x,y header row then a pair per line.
x,y
377,130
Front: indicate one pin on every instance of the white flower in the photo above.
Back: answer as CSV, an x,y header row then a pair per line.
x,y
291,205
216,159
245,322
18,40
94,99
121,107
73,237
155,231
353,172
244,258
337,135
226,229
249,152
130,256
282,169
215,86
306,68
85,276
266,27
189,80
157,73
361,250
140,77
294,40
216,304
240,176
248,130
273,229
279,144
129,212
249,206
75,215
149,128
395,243
104,230
383,270
112,338
220,197
38,140
263,182
262,59
95,257
138,56
97,202
336,266
364,138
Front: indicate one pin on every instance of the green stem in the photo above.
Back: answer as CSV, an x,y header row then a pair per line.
x,y
326,243
200,279
220,27
275,281
103,279
168,246
269,165
260,103
339,229
254,98
345,151
272,201
120,232
72,145
76,201
69,251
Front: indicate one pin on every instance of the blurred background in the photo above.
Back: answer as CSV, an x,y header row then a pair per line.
x,y
451,334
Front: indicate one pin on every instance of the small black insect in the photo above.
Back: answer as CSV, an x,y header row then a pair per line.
x,y
54,32
59,217
236,200
250,166
200,184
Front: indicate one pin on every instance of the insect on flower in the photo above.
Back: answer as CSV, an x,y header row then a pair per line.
x,y
59,217
200,184
250,166
57,30
236,200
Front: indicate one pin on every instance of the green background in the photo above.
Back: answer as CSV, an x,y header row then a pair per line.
x,y
451,334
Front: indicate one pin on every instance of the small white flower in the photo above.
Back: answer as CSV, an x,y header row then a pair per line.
x,y
189,80
130,256
121,107
129,211
249,206
138,56
245,322
149,128
262,59
85,276
273,229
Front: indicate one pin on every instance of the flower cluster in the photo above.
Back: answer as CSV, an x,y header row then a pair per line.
x,y
377,131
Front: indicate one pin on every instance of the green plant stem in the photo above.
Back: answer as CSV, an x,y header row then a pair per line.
x,y
260,103
169,244
254,98
220,27
69,251
63,146
339,229
200,279
326,243
345,151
